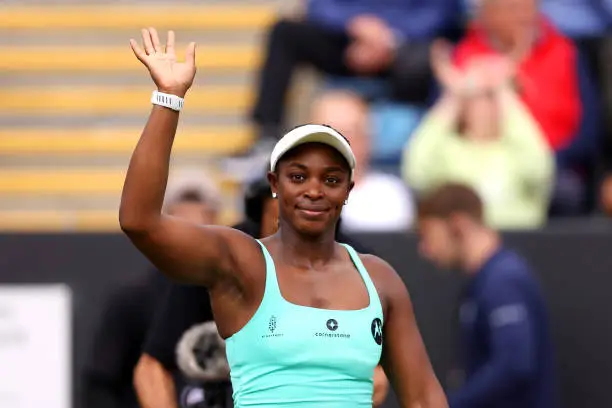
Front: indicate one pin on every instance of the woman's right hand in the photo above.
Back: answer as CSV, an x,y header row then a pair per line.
x,y
170,76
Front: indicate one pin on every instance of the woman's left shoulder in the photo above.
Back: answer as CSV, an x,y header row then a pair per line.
x,y
383,275
377,267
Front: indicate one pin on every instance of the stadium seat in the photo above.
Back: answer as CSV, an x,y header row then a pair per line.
x,y
77,58
75,181
105,140
74,100
114,100
128,17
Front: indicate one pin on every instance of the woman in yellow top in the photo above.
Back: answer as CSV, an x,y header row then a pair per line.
x,y
479,133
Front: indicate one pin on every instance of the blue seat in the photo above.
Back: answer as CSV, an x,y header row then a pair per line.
x,y
368,88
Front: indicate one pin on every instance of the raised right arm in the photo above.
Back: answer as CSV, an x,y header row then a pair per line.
x,y
185,251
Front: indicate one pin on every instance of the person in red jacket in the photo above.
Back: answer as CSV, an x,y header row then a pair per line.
x,y
555,83
546,69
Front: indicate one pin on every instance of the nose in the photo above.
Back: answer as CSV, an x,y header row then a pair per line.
x,y
314,190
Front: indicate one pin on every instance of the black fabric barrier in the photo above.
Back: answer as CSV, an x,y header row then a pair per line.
x,y
574,264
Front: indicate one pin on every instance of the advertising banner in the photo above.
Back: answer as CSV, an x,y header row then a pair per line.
x,y
35,346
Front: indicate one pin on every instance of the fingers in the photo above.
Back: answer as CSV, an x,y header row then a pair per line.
x,y
152,45
155,40
170,43
439,45
439,52
190,54
139,52
147,41
440,59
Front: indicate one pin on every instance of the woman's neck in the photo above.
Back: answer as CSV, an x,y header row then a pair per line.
x,y
304,251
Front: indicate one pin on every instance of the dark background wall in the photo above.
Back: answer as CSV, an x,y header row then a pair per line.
x,y
574,264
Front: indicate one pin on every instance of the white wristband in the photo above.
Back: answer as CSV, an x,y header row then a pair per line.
x,y
167,100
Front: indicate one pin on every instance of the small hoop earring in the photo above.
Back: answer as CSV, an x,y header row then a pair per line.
x,y
274,195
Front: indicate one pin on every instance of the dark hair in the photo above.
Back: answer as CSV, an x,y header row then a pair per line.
x,y
194,196
254,198
190,196
449,199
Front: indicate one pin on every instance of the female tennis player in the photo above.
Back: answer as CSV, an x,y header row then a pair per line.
x,y
306,319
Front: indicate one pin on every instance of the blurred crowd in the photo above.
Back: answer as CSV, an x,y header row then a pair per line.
x,y
507,96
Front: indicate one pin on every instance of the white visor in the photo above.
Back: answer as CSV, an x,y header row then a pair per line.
x,y
313,134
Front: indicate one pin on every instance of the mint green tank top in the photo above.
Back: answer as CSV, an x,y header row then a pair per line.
x,y
298,356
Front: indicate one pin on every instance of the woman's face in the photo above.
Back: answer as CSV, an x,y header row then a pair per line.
x,y
312,182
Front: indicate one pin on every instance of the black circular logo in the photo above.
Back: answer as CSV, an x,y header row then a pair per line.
x,y
332,324
377,331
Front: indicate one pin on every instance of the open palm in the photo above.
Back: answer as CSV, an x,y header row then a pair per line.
x,y
169,75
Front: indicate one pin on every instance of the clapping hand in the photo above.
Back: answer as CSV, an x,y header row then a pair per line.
x,y
170,76
447,74
491,72
372,47
481,74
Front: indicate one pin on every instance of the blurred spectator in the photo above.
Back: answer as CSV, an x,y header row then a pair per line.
x,y
379,201
261,210
354,38
505,332
588,24
127,315
193,196
551,79
480,133
606,196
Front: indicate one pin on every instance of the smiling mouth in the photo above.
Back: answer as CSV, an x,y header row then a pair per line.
x,y
312,212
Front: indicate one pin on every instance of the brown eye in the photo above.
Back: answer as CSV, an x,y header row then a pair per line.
x,y
297,177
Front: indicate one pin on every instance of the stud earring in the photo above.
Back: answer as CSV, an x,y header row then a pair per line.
x,y
345,202
274,195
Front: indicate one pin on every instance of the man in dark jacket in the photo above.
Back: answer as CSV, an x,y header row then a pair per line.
x,y
505,333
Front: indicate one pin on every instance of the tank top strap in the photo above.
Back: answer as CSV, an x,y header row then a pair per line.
x,y
272,290
372,292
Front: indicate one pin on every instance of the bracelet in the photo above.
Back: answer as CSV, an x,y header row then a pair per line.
x,y
167,100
